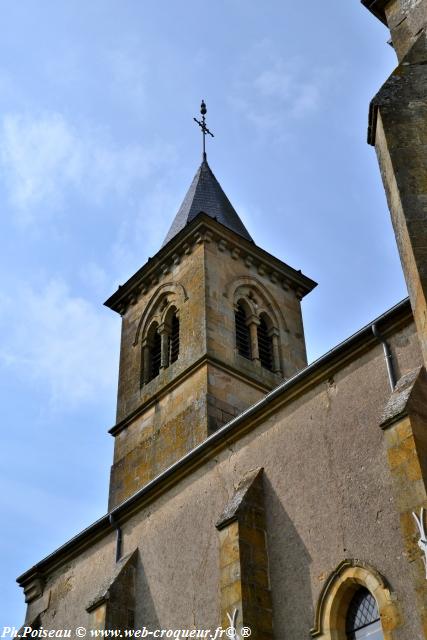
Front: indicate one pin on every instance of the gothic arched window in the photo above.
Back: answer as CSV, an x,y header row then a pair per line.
x,y
363,620
243,338
173,338
155,352
265,344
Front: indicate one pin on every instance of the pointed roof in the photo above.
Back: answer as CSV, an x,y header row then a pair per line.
x,y
206,195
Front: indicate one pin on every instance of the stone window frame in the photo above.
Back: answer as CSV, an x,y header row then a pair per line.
x,y
170,295
253,319
336,595
161,323
258,302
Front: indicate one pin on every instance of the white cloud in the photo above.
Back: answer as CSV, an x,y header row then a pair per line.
x,y
59,342
142,231
129,70
37,155
290,88
274,83
43,156
95,277
270,90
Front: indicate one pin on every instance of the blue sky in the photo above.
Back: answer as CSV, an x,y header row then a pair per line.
x,y
97,149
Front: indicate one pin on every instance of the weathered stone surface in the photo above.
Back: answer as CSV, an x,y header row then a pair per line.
x,y
397,406
38,607
248,492
121,579
399,130
327,487
405,19
244,580
210,383
330,622
405,420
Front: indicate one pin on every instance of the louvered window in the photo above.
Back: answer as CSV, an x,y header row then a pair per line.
x,y
174,339
155,355
243,339
363,620
265,345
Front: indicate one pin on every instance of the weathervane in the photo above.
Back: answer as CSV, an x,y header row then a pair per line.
x,y
203,127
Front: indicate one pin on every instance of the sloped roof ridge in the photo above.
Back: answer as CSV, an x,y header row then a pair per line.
x,y
206,195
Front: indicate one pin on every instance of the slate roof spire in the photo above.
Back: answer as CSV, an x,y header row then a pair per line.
x,y
205,195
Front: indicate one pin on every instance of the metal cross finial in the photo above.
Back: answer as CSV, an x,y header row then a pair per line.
x,y
203,127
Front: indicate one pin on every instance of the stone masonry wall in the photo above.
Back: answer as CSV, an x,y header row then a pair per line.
x,y
169,415
226,271
328,497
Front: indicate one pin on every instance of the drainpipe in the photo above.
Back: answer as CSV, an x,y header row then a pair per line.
x,y
116,526
388,356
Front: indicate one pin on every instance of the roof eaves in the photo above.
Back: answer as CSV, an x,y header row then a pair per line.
x,y
125,290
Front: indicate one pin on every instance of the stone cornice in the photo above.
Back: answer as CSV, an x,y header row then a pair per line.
x,y
405,86
377,8
33,585
320,370
190,370
204,229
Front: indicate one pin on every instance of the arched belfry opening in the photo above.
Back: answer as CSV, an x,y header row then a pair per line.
x,y
265,343
155,352
243,337
161,346
174,338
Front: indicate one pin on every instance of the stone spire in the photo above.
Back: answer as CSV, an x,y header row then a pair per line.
x,y
206,195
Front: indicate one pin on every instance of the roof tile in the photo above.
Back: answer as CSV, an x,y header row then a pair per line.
x,y
206,195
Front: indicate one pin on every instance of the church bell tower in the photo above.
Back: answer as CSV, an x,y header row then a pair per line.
x,y
210,324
